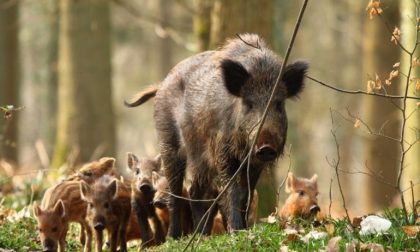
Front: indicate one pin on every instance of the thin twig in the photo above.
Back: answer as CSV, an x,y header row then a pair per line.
x,y
360,91
247,158
336,164
329,208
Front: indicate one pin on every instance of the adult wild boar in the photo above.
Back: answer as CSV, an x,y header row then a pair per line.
x,y
206,112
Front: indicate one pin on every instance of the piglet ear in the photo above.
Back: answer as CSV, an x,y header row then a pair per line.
x,y
155,177
60,208
132,161
290,183
107,162
234,76
293,77
314,178
85,190
37,209
113,189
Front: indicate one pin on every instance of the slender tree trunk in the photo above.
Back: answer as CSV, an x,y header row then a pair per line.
x,y
202,24
382,155
9,77
165,43
233,17
85,111
412,128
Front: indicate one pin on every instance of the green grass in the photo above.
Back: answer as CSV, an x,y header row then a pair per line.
x,y
22,236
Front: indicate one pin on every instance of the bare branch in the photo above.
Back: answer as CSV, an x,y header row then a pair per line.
x,y
360,91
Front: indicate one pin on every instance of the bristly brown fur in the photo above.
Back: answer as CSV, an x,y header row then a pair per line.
x,y
205,114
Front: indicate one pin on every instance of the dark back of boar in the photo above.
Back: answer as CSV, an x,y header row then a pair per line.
x,y
142,198
303,197
109,208
61,205
206,111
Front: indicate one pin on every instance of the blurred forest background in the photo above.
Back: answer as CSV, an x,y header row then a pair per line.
x,y
71,64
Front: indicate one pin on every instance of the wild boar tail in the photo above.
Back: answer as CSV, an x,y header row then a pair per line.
x,y
141,97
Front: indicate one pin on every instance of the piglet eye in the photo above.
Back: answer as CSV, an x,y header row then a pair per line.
x,y
87,173
40,229
90,204
301,193
55,229
137,171
106,205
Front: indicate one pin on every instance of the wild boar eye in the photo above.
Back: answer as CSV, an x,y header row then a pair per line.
x,y
248,105
301,193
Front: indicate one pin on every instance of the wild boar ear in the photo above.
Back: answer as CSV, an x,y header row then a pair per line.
x,y
234,76
293,77
158,162
60,209
132,160
155,178
107,162
290,183
85,190
113,189
37,209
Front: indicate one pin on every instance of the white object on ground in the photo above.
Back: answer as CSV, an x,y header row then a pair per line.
x,y
374,224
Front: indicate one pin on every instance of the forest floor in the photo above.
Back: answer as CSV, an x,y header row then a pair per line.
x,y
18,232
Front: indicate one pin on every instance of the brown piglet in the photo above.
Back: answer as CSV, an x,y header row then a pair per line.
x,y
302,201
61,205
109,208
91,171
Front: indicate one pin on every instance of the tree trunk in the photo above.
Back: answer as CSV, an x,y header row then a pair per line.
x,y
233,17
202,24
382,155
85,112
408,39
165,43
9,78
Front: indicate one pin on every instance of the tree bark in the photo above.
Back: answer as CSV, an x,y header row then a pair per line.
x,y
9,78
412,128
382,155
85,113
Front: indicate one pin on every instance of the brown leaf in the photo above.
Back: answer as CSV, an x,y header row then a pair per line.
x,y
411,230
356,125
334,244
374,8
356,221
396,34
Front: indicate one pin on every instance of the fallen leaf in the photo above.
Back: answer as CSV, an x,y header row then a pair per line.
x,y
313,235
351,247
356,221
330,229
374,224
334,244
372,247
411,230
